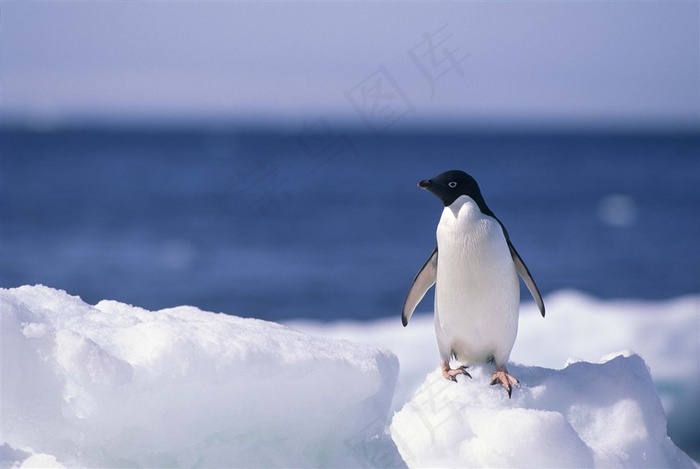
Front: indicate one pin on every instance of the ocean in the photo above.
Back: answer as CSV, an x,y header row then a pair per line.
x,y
329,225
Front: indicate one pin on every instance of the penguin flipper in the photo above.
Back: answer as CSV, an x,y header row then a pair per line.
x,y
527,278
424,279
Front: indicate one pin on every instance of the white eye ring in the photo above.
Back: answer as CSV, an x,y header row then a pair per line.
x,y
452,184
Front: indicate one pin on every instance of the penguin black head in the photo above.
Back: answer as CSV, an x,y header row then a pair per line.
x,y
450,185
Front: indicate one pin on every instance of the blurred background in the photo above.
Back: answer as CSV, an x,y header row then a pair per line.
x,y
261,159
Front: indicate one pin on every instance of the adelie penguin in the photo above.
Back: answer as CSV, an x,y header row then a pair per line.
x,y
475,271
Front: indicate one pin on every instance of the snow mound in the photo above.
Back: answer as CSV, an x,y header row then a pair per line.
x,y
665,333
113,385
586,415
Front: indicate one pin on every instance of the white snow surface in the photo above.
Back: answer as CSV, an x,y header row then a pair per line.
x,y
587,415
578,327
113,385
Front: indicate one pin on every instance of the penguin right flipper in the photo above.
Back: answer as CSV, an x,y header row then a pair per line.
x,y
425,278
527,277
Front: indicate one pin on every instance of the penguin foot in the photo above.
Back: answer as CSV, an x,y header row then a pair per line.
x,y
451,374
504,379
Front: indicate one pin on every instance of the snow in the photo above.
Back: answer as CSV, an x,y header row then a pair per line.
x,y
577,327
587,415
116,385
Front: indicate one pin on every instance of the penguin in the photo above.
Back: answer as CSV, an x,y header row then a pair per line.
x,y
474,268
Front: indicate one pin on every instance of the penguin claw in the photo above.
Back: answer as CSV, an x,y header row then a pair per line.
x,y
451,374
504,379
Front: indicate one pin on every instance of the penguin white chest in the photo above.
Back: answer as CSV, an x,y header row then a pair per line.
x,y
477,293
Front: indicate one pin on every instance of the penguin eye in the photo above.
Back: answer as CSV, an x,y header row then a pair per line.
x,y
452,184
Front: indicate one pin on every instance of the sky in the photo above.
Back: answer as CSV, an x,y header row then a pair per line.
x,y
377,65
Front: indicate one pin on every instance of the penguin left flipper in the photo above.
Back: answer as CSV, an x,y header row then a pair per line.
x,y
424,279
526,276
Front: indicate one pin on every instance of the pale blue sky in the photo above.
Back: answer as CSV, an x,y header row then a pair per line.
x,y
531,63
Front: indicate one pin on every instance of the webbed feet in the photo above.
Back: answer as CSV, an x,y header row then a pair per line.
x,y
451,373
504,379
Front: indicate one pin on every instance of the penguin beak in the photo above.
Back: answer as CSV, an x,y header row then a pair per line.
x,y
425,184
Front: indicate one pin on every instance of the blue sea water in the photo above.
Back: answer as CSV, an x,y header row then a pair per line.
x,y
332,226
